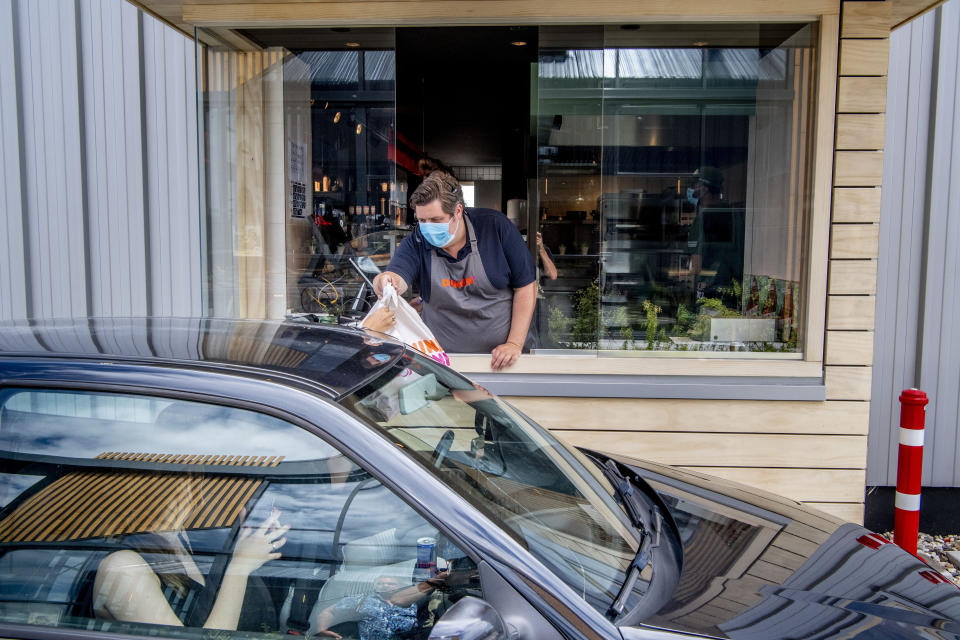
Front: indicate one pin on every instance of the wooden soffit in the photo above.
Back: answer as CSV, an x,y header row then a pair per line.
x,y
904,11
186,14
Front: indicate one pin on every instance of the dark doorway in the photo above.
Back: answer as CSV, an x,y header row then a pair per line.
x,y
463,97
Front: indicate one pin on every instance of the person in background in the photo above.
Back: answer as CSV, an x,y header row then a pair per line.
x,y
475,274
547,269
706,193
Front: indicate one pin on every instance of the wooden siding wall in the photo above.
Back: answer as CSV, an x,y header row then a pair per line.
x,y
812,452
99,194
918,288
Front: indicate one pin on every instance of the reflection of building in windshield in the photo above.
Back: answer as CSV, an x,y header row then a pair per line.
x,y
541,493
87,504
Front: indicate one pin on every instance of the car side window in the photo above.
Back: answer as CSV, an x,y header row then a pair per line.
x,y
118,512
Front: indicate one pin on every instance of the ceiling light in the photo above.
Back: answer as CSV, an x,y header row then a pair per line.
x,y
519,43
700,43
359,128
336,117
352,44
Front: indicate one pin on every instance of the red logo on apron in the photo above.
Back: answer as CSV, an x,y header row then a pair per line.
x,y
457,284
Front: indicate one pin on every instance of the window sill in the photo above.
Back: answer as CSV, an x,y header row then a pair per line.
x,y
589,376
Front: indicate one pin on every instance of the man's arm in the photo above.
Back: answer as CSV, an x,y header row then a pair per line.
x,y
403,270
524,301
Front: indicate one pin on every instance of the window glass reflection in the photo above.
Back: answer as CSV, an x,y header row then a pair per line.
x,y
674,197
114,521
313,114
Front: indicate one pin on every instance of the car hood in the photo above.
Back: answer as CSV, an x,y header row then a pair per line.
x,y
757,565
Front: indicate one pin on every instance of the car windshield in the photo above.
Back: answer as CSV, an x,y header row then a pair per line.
x,y
549,497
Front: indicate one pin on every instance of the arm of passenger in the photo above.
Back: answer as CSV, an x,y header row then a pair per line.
x,y
254,548
128,589
324,620
412,594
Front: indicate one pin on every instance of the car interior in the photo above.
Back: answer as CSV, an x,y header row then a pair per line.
x,y
60,516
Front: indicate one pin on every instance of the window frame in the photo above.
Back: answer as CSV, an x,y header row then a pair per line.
x,y
807,364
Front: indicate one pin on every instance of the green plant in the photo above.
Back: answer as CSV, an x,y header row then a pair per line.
x,y
587,320
652,312
709,308
716,306
685,320
732,294
618,317
557,325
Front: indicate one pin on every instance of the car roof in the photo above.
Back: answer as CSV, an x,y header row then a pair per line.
x,y
338,358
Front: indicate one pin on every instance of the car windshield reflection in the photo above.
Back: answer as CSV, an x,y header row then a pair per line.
x,y
548,497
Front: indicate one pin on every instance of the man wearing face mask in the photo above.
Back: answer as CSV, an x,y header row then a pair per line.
x,y
474,271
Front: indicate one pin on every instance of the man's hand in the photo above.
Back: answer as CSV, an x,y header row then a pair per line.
x,y
391,277
504,355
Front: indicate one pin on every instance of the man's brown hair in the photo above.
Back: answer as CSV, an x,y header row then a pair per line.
x,y
438,186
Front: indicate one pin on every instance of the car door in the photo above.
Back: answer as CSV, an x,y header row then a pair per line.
x,y
144,515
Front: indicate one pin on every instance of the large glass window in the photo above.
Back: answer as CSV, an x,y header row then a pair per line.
x,y
119,513
305,199
666,168
674,186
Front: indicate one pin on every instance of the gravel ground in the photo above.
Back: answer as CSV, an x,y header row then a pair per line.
x,y
936,548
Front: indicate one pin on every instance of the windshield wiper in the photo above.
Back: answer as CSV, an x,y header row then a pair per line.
x,y
626,492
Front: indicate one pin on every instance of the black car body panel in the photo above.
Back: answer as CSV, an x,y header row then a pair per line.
x,y
755,565
257,382
779,569
336,358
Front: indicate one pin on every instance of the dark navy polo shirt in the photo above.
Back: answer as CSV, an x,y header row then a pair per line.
x,y
505,255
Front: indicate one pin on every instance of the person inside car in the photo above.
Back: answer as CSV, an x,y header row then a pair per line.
x,y
388,612
128,587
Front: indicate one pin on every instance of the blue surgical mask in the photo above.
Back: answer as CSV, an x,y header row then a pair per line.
x,y
692,198
437,233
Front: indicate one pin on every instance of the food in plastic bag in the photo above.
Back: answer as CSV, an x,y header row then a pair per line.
x,y
410,328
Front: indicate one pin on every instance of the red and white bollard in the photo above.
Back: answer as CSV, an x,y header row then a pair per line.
x,y
906,518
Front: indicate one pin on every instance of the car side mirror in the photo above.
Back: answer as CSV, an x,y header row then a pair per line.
x,y
470,619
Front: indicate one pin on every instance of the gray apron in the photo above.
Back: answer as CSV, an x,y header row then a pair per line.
x,y
466,313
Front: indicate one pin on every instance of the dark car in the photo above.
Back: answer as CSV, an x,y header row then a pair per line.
x,y
216,479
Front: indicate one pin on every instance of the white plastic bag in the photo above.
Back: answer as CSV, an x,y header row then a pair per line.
x,y
409,329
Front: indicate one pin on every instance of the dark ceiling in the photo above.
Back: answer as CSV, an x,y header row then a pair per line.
x,y
463,93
